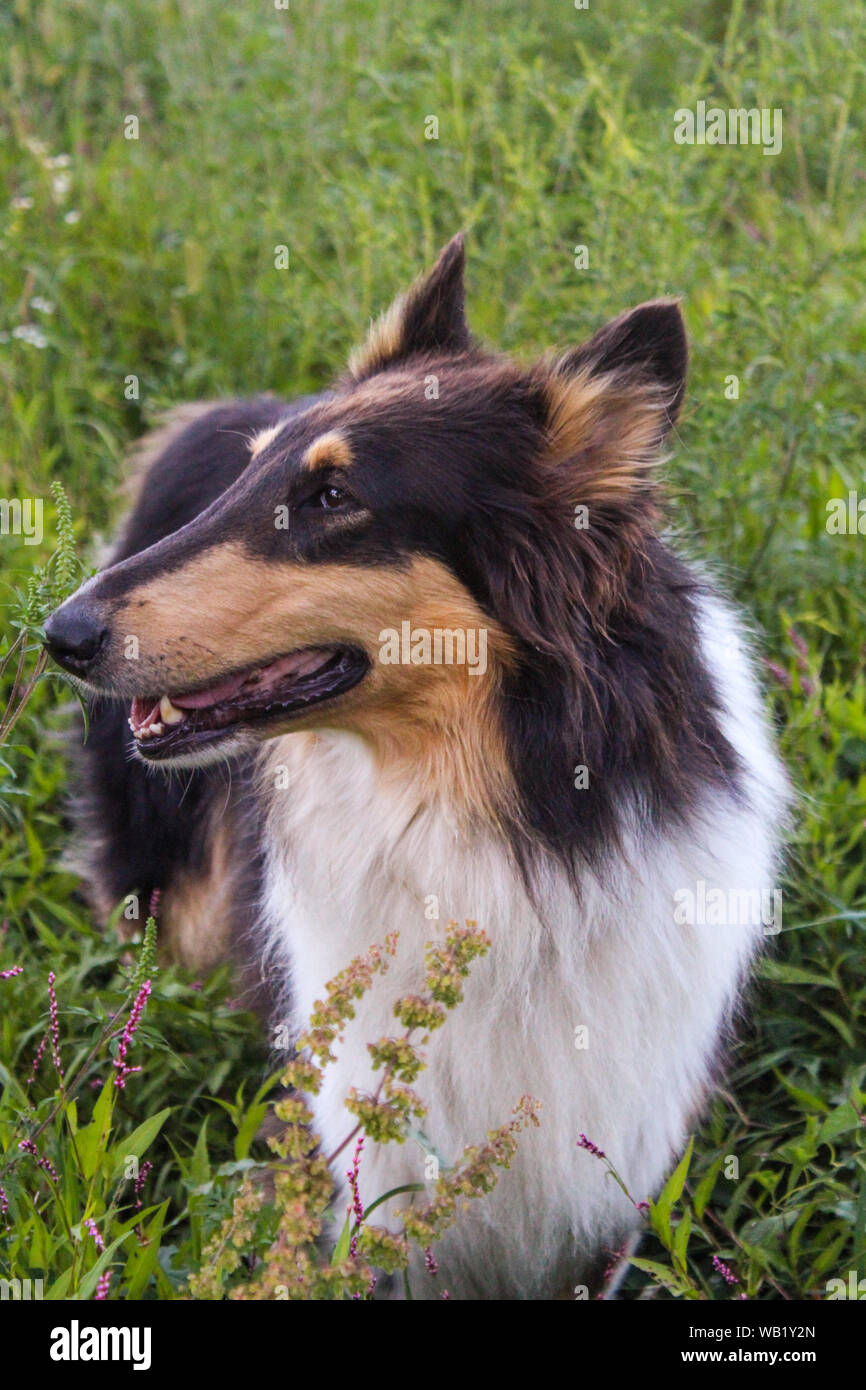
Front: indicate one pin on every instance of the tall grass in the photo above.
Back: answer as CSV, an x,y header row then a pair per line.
x,y
137,273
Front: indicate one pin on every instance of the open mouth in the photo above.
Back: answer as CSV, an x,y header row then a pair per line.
x,y
166,725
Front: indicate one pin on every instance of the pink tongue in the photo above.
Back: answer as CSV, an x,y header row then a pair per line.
x,y
202,699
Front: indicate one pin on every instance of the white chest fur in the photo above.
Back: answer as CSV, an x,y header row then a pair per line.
x,y
609,1011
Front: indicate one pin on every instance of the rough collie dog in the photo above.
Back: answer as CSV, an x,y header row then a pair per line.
x,y
277,748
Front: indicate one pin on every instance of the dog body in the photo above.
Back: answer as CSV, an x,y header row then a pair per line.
x,y
652,996
609,764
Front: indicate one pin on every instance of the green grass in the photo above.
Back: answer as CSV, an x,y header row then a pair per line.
x,y
260,128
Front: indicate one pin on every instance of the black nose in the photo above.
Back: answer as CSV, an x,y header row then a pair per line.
x,y
74,635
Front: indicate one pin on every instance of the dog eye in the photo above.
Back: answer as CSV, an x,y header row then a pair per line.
x,y
329,499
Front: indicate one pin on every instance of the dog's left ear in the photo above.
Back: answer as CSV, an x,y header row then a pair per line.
x,y
611,402
647,343
430,317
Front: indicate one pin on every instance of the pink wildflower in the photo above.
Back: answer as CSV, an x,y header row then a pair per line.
x,y
141,1180
27,1146
54,1025
725,1271
584,1143
123,1071
94,1231
357,1206
37,1059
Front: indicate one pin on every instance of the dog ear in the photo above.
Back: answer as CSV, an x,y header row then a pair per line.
x,y
611,402
430,317
561,570
648,342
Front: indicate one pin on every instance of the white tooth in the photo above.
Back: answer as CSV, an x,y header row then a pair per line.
x,y
155,729
170,713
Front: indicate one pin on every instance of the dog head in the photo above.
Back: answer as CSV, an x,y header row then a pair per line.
x,y
393,557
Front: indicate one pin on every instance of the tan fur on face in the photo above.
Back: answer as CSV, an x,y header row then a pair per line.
x,y
437,723
330,450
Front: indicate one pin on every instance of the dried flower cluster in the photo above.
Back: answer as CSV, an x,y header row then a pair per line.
x,y
294,1258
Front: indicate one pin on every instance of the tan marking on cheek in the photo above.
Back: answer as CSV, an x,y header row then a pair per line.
x,y
260,441
330,450
437,728
232,609
436,724
440,733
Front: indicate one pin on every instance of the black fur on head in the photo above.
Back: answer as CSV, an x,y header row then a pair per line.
x,y
555,529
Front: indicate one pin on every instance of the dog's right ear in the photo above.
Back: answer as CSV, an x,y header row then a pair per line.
x,y
430,317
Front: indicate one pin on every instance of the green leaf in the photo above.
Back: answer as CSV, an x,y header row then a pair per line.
x,y
60,1288
704,1189
393,1192
668,1278
200,1164
144,1259
860,1230
250,1127
104,1107
660,1210
814,1104
842,1120
40,1243
87,1287
138,1142
341,1249
842,1028
782,973
92,1141
681,1240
